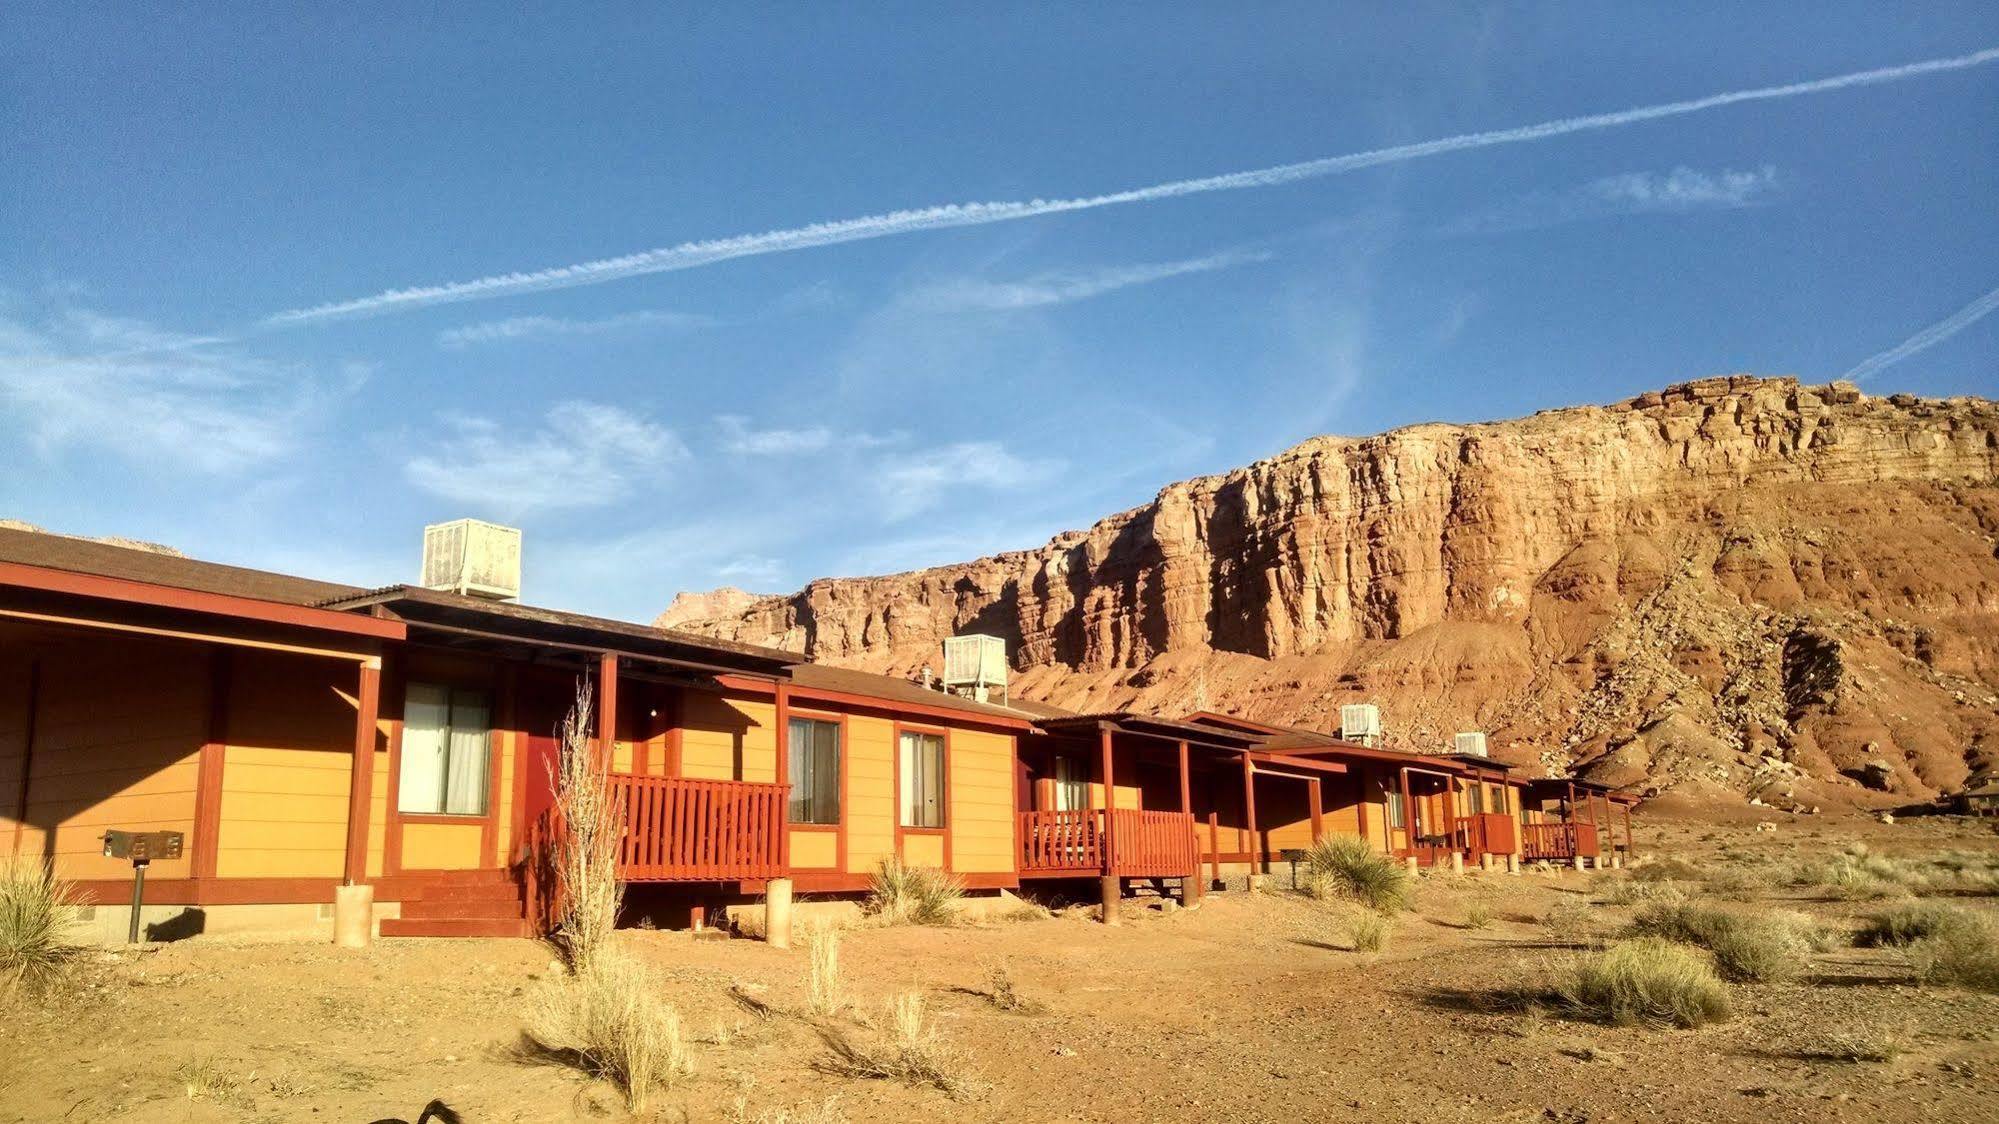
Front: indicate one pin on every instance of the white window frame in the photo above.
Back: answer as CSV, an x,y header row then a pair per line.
x,y
446,770
923,786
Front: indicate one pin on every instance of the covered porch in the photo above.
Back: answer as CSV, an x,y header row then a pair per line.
x,y
1570,821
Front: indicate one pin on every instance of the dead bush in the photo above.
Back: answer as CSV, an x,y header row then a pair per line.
x,y
608,1020
910,1052
1572,921
1963,955
1647,980
913,895
823,993
585,850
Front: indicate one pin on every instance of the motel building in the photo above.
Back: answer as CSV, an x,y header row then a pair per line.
x,y
309,743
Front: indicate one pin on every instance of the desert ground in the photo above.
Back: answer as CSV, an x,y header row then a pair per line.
x,y
1249,1008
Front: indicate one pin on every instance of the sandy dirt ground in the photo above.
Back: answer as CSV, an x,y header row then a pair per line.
x,y
1246,1009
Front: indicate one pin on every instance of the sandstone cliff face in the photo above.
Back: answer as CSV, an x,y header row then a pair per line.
x,y
1785,590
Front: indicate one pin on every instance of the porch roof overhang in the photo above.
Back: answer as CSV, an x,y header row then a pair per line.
x,y
1264,762
1149,726
470,621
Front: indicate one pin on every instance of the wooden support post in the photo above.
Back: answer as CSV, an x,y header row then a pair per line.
x,y
1451,814
783,732
1315,803
1249,815
607,710
1106,769
361,778
1214,847
208,773
1630,843
1190,887
1408,817
1113,894
1186,784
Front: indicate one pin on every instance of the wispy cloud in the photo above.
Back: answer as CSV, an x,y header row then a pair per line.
x,y
1927,338
1063,286
1679,191
742,439
584,454
912,482
690,255
75,378
519,328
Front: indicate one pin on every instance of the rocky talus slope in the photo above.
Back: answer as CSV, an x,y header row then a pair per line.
x,y
1788,592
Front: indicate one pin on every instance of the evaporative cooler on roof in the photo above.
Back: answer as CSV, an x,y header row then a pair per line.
x,y
1361,722
973,665
473,558
1470,745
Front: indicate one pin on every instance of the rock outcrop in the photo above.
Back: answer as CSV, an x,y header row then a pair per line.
x,y
1787,591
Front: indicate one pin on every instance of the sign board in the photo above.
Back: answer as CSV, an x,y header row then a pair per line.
x,y
142,846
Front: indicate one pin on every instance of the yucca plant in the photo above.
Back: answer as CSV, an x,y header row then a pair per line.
x,y
899,894
1345,866
37,913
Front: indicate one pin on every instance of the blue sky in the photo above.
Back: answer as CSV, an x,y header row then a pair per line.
x,y
200,214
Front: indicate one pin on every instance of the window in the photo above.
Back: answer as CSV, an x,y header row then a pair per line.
x,y
1072,788
446,747
922,780
1499,799
815,771
1395,809
1477,794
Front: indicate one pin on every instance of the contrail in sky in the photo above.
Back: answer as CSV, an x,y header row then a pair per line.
x,y
689,255
1927,338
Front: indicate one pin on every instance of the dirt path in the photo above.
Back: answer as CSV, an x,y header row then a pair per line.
x,y
1246,1009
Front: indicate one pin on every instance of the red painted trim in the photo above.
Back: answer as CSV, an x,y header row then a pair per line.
x,y
255,891
607,709
1249,800
780,767
898,729
361,773
870,702
1186,781
846,801
218,604
208,784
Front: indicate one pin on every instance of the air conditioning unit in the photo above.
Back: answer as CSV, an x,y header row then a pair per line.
x,y
473,558
975,664
1470,745
1361,722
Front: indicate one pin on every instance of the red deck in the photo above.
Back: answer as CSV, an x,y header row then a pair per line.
x,y
1558,841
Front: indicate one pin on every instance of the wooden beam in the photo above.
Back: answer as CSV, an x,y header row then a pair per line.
x,y
783,765
1408,816
1186,782
208,772
1630,843
607,708
1249,814
1110,797
1318,810
361,775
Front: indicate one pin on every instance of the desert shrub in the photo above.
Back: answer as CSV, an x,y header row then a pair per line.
x,y
609,1021
1858,874
1647,980
1346,866
1368,931
1762,947
585,851
1739,885
913,895
204,1079
1959,955
823,993
37,911
1478,915
1003,993
1665,870
1572,921
1907,924
911,1051
1636,891
827,1111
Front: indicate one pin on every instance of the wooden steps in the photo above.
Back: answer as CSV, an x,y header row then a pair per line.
x,y
474,903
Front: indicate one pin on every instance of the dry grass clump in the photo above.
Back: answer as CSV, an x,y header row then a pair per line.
x,y
911,1052
37,911
913,895
1478,915
1648,980
823,992
1368,931
203,1079
1347,866
1960,955
1906,924
585,851
1858,874
1637,891
1760,947
827,1111
1572,921
609,1021
1003,993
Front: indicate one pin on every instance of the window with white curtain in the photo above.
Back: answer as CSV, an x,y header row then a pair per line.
x,y
922,780
446,746
1072,786
815,771
1395,809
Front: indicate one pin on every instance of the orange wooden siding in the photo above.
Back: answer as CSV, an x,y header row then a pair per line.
x,y
286,768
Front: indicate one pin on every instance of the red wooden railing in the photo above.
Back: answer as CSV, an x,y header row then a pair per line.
x,y
1141,844
682,830
1061,842
1153,844
1487,833
1559,841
